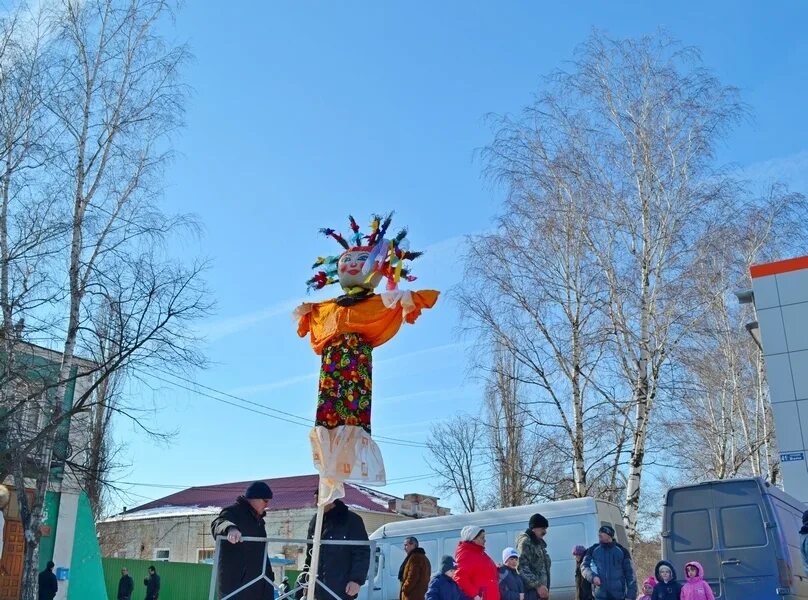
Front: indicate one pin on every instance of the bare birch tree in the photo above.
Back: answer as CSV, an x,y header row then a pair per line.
x,y
639,120
534,287
727,426
87,110
659,201
615,159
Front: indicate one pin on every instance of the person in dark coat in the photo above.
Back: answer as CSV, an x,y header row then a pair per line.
x,y
608,567
152,583
126,586
48,586
511,584
241,562
344,569
583,589
667,588
443,586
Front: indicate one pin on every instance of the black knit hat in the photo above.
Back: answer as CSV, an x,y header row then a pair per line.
x,y
447,563
258,490
538,520
608,530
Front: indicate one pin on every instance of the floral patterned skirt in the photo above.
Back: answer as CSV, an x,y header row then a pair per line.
x,y
345,383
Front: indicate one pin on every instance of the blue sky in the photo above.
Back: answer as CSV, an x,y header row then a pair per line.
x,y
303,112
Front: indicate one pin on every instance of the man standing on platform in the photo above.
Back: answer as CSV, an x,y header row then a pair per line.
x,y
241,562
343,568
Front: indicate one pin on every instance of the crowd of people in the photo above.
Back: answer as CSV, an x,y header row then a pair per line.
x,y
604,571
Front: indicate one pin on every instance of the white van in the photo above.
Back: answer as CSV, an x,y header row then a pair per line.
x,y
572,522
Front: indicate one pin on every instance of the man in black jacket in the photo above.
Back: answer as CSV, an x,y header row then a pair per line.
x,y
48,586
152,583
342,568
125,586
242,562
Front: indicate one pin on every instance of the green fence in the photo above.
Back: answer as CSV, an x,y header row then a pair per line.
x,y
178,581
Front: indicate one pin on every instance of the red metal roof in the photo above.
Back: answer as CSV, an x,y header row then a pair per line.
x,y
287,493
780,266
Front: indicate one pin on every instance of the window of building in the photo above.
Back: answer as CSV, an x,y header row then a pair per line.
x,y
204,555
162,554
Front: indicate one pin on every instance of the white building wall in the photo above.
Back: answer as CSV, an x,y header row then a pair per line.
x,y
781,303
65,532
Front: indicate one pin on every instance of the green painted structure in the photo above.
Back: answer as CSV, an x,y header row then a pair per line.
x,y
178,581
46,543
86,572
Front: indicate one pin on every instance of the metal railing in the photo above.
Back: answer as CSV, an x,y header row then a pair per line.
x,y
304,575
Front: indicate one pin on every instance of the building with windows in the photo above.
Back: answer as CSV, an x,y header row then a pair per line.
x,y
68,535
177,527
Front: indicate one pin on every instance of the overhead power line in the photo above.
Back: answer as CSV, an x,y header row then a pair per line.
x,y
278,414
261,409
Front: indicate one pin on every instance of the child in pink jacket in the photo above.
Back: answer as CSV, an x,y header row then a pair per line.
x,y
648,588
696,588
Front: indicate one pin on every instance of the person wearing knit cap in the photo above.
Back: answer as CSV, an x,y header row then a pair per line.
x,y
240,562
511,584
534,560
648,588
469,533
442,586
583,589
608,567
476,573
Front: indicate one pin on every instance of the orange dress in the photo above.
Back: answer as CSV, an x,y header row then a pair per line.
x,y
344,336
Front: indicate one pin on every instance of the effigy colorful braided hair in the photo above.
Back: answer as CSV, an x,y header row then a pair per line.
x,y
386,256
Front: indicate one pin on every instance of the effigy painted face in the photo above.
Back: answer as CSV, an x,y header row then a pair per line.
x,y
349,271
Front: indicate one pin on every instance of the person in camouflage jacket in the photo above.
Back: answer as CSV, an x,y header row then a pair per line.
x,y
534,560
